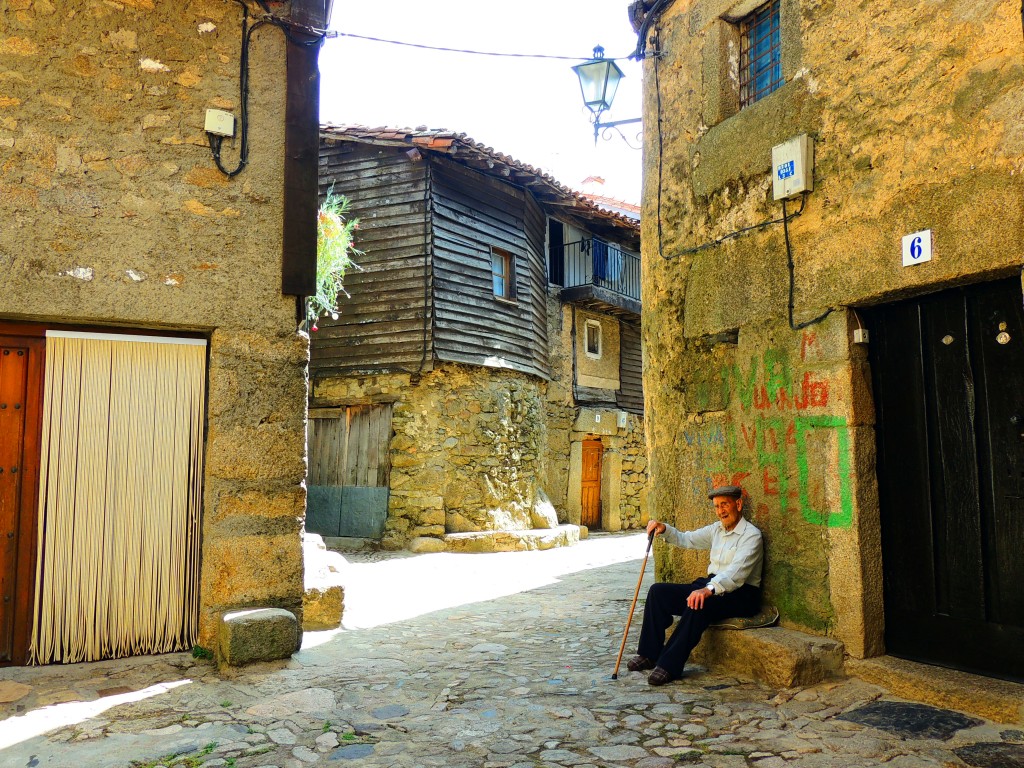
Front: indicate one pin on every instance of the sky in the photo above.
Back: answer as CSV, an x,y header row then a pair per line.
x,y
530,109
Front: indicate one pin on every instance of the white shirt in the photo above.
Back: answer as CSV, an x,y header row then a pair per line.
x,y
736,555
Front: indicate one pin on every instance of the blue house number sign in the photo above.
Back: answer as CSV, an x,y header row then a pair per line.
x,y
917,248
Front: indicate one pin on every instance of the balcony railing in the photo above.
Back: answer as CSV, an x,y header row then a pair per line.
x,y
595,262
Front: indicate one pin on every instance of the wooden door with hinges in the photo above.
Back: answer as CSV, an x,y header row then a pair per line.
x,y
21,365
947,371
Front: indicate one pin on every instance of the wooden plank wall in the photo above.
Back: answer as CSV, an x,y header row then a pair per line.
x,y
351,449
630,396
472,212
386,324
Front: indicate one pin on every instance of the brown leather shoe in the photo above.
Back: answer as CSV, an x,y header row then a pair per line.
x,y
639,664
660,676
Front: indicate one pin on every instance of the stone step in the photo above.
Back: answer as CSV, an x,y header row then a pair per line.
x,y
499,541
780,657
350,544
998,700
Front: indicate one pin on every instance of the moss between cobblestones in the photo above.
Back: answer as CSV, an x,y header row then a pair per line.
x,y
194,760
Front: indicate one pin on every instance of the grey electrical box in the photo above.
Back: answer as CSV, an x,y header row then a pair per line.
x,y
793,167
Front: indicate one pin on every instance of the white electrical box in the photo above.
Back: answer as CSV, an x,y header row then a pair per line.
x,y
793,167
220,123
621,421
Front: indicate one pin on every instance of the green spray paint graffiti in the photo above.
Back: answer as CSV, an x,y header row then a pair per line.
x,y
845,515
774,434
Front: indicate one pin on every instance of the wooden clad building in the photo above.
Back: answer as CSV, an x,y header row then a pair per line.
x,y
459,322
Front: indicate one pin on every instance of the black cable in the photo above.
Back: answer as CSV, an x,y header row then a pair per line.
x,y
792,277
649,19
243,108
738,232
216,142
471,52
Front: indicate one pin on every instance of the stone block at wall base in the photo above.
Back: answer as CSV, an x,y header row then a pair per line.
x,y
257,634
512,541
780,657
322,608
422,544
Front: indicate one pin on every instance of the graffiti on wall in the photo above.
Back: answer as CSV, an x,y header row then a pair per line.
x,y
781,438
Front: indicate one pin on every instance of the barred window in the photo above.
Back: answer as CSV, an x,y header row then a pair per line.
x,y
760,54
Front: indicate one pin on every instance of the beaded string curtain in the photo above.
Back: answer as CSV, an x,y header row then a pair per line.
x,y
120,494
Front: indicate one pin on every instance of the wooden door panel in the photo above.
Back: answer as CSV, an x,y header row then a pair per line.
x,y
591,484
13,386
947,370
20,398
350,472
950,409
903,470
1000,343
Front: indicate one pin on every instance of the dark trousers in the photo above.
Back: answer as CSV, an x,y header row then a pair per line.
x,y
666,601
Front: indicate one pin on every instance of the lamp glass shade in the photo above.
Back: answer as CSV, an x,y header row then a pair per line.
x,y
599,79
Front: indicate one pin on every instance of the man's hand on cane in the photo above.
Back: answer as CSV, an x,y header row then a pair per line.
x,y
696,599
654,528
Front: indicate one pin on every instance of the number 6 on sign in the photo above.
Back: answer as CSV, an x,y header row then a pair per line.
x,y
917,248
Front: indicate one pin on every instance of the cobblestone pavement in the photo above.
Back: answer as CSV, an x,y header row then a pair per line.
x,y
444,662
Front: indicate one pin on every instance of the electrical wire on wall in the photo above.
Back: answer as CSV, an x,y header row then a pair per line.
x,y
650,21
313,37
792,277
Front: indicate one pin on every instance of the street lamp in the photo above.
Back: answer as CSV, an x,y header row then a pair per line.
x,y
599,79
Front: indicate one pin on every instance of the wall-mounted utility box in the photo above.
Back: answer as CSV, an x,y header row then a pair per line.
x,y
220,123
793,167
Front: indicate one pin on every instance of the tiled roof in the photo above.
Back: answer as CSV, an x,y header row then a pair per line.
x,y
546,189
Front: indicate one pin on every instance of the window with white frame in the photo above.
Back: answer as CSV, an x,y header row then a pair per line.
x,y
592,339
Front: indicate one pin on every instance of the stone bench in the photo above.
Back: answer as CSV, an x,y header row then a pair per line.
x,y
783,658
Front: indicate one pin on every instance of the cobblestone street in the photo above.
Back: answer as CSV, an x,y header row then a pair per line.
x,y
501,661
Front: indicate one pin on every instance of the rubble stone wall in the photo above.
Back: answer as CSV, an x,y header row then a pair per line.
x,y
115,217
467,452
917,125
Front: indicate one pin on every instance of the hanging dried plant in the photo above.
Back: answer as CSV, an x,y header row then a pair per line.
x,y
335,251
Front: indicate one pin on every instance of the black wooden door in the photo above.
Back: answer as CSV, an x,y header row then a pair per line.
x,y
949,390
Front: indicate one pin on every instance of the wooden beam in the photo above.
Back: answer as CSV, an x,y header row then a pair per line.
x,y
301,153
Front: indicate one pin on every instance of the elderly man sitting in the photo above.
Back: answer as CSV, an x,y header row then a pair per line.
x,y
731,588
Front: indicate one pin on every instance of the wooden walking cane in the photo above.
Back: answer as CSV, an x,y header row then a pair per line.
x,y
650,540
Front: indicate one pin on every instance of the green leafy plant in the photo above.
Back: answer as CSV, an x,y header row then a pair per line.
x,y
198,652
335,249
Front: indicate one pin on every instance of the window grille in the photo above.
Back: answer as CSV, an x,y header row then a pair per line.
x,y
760,54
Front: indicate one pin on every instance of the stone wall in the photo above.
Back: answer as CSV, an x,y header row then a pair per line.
x,y
115,217
633,478
916,126
624,484
601,372
467,452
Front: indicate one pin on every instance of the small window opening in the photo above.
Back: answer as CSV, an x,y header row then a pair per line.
x,y
760,54
503,273
592,338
